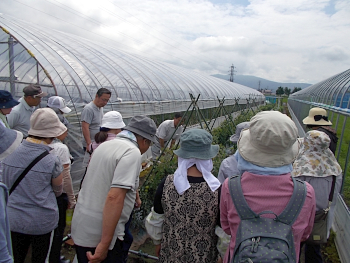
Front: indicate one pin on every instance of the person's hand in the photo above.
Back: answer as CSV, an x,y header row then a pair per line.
x,y
138,202
100,254
89,148
157,250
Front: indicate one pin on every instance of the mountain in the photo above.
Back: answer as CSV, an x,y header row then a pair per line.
x,y
253,82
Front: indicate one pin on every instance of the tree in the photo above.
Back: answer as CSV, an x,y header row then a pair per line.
x,y
279,91
296,89
287,91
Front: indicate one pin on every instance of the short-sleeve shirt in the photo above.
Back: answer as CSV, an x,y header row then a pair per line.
x,y
61,151
19,117
114,163
92,115
166,129
32,206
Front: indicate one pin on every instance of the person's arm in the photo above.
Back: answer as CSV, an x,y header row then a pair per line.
x,y
68,186
161,142
12,119
86,133
5,243
57,185
172,143
111,213
138,201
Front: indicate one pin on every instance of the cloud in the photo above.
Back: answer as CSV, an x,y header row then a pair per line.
x,y
300,40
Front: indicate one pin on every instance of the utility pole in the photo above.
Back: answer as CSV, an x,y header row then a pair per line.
x,y
232,73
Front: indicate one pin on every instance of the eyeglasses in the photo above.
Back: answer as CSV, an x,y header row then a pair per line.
x,y
319,117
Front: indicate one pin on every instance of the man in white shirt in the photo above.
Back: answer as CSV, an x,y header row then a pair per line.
x,y
164,133
108,193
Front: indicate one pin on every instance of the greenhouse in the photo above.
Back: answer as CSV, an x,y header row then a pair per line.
x,y
333,95
75,68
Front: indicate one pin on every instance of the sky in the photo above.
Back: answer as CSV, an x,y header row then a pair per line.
x,y
279,40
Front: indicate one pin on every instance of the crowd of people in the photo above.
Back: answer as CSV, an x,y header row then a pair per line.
x,y
263,201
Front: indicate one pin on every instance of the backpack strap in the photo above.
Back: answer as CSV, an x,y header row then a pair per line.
x,y
288,215
241,205
295,204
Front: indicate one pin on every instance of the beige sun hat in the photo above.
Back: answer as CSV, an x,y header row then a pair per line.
x,y
270,141
45,123
317,116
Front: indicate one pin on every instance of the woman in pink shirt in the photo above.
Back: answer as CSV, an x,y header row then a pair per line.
x,y
264,156
112,124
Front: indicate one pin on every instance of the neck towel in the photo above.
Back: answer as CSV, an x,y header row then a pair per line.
x,y
204,166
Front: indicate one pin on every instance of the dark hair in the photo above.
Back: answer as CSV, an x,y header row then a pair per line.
x,y
40,138
102,91
178,115
102,135
311,126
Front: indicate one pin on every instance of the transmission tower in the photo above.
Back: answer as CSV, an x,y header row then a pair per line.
x,y
232,73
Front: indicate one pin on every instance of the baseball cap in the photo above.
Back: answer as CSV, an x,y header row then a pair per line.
x,y
59,103
143,126
34,90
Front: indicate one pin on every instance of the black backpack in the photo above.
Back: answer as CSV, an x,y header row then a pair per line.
x,y
261,239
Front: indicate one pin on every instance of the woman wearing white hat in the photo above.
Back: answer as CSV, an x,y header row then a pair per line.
x,y
265,155
112,124
318,120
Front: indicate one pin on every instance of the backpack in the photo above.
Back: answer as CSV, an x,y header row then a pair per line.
x,y
261,239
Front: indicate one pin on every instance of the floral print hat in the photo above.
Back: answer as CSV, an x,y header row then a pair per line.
x,y
315,158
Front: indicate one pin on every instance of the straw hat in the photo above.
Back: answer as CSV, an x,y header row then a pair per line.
x,y
271,140
317,116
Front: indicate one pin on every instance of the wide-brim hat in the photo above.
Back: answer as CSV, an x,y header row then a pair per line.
x,y
317,116
10,140
112,120
46,124
270,141
6,100
143,126
197,143
243,125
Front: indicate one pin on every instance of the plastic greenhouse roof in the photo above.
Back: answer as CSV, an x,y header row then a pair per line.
x,y
333,92
75,68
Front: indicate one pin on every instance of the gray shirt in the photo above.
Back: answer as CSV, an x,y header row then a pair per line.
x,y
32,206
228,168
114,163
166,129
92,115
19,117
